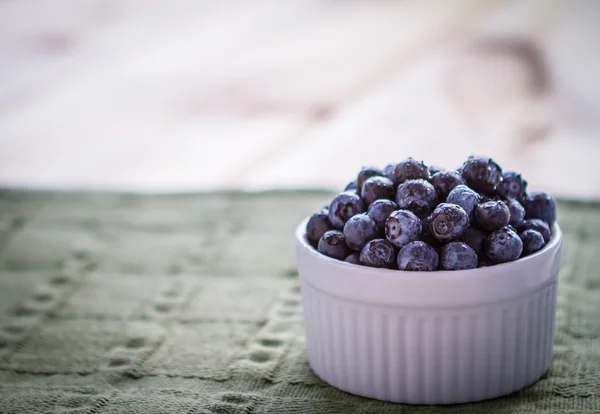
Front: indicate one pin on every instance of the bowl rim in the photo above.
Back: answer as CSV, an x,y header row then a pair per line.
x,y
554,240
440,288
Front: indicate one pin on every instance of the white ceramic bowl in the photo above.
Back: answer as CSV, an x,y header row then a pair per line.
x,y
429,337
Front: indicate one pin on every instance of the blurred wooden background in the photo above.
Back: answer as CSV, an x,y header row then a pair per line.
x,y
183,95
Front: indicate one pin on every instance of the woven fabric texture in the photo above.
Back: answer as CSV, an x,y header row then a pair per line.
x,y
114,303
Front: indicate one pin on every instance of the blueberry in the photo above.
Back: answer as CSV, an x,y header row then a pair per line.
x,y
512,186
426,235
388,171
317,226
491,215
434,169
458,256
538,225
465,197
540,205
359,229
344,206
351,186
418,256
333,244
378,253
402,227
410,169
475,238
482,174
532,241
375,188
445,181
364,174
503,245
353,258
418,196
517,212
380,210
448,222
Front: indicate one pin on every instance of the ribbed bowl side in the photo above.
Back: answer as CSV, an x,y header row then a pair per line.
x,y
423,356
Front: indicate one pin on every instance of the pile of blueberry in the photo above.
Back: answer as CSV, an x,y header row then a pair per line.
x,y
412,217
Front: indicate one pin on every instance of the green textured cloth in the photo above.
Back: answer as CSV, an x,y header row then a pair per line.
x,y
157,304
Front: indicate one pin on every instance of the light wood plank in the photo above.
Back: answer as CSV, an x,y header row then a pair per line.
x,y
251,92
413,115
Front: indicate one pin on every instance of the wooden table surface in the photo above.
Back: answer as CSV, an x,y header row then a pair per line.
x,y
184,95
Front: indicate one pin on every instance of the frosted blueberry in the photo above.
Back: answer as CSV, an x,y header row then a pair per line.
x,y
344,206
418,196
410,169
359,229
465,197
448,222
491,215
317,226
503,245
378,253
482,174
444,182
540,205
402,227
538,225
381,209
458,256
418,256
333,244
532,241
375,188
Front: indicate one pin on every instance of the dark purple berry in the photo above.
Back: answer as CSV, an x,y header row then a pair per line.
x,y
517,212
475,238
448,222
426,235
317,226
410,169
344,206
491,215
458,256
402,227
532,241
351,186
381,209
512,186
540,205
434,169
482,174
388,171
375,188
364,174
359,229
418,196
465,197
353,258
538,225
418,256
503,245
333,244
444,182
378,253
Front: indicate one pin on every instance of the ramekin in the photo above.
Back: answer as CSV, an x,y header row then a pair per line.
x,y
439,337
